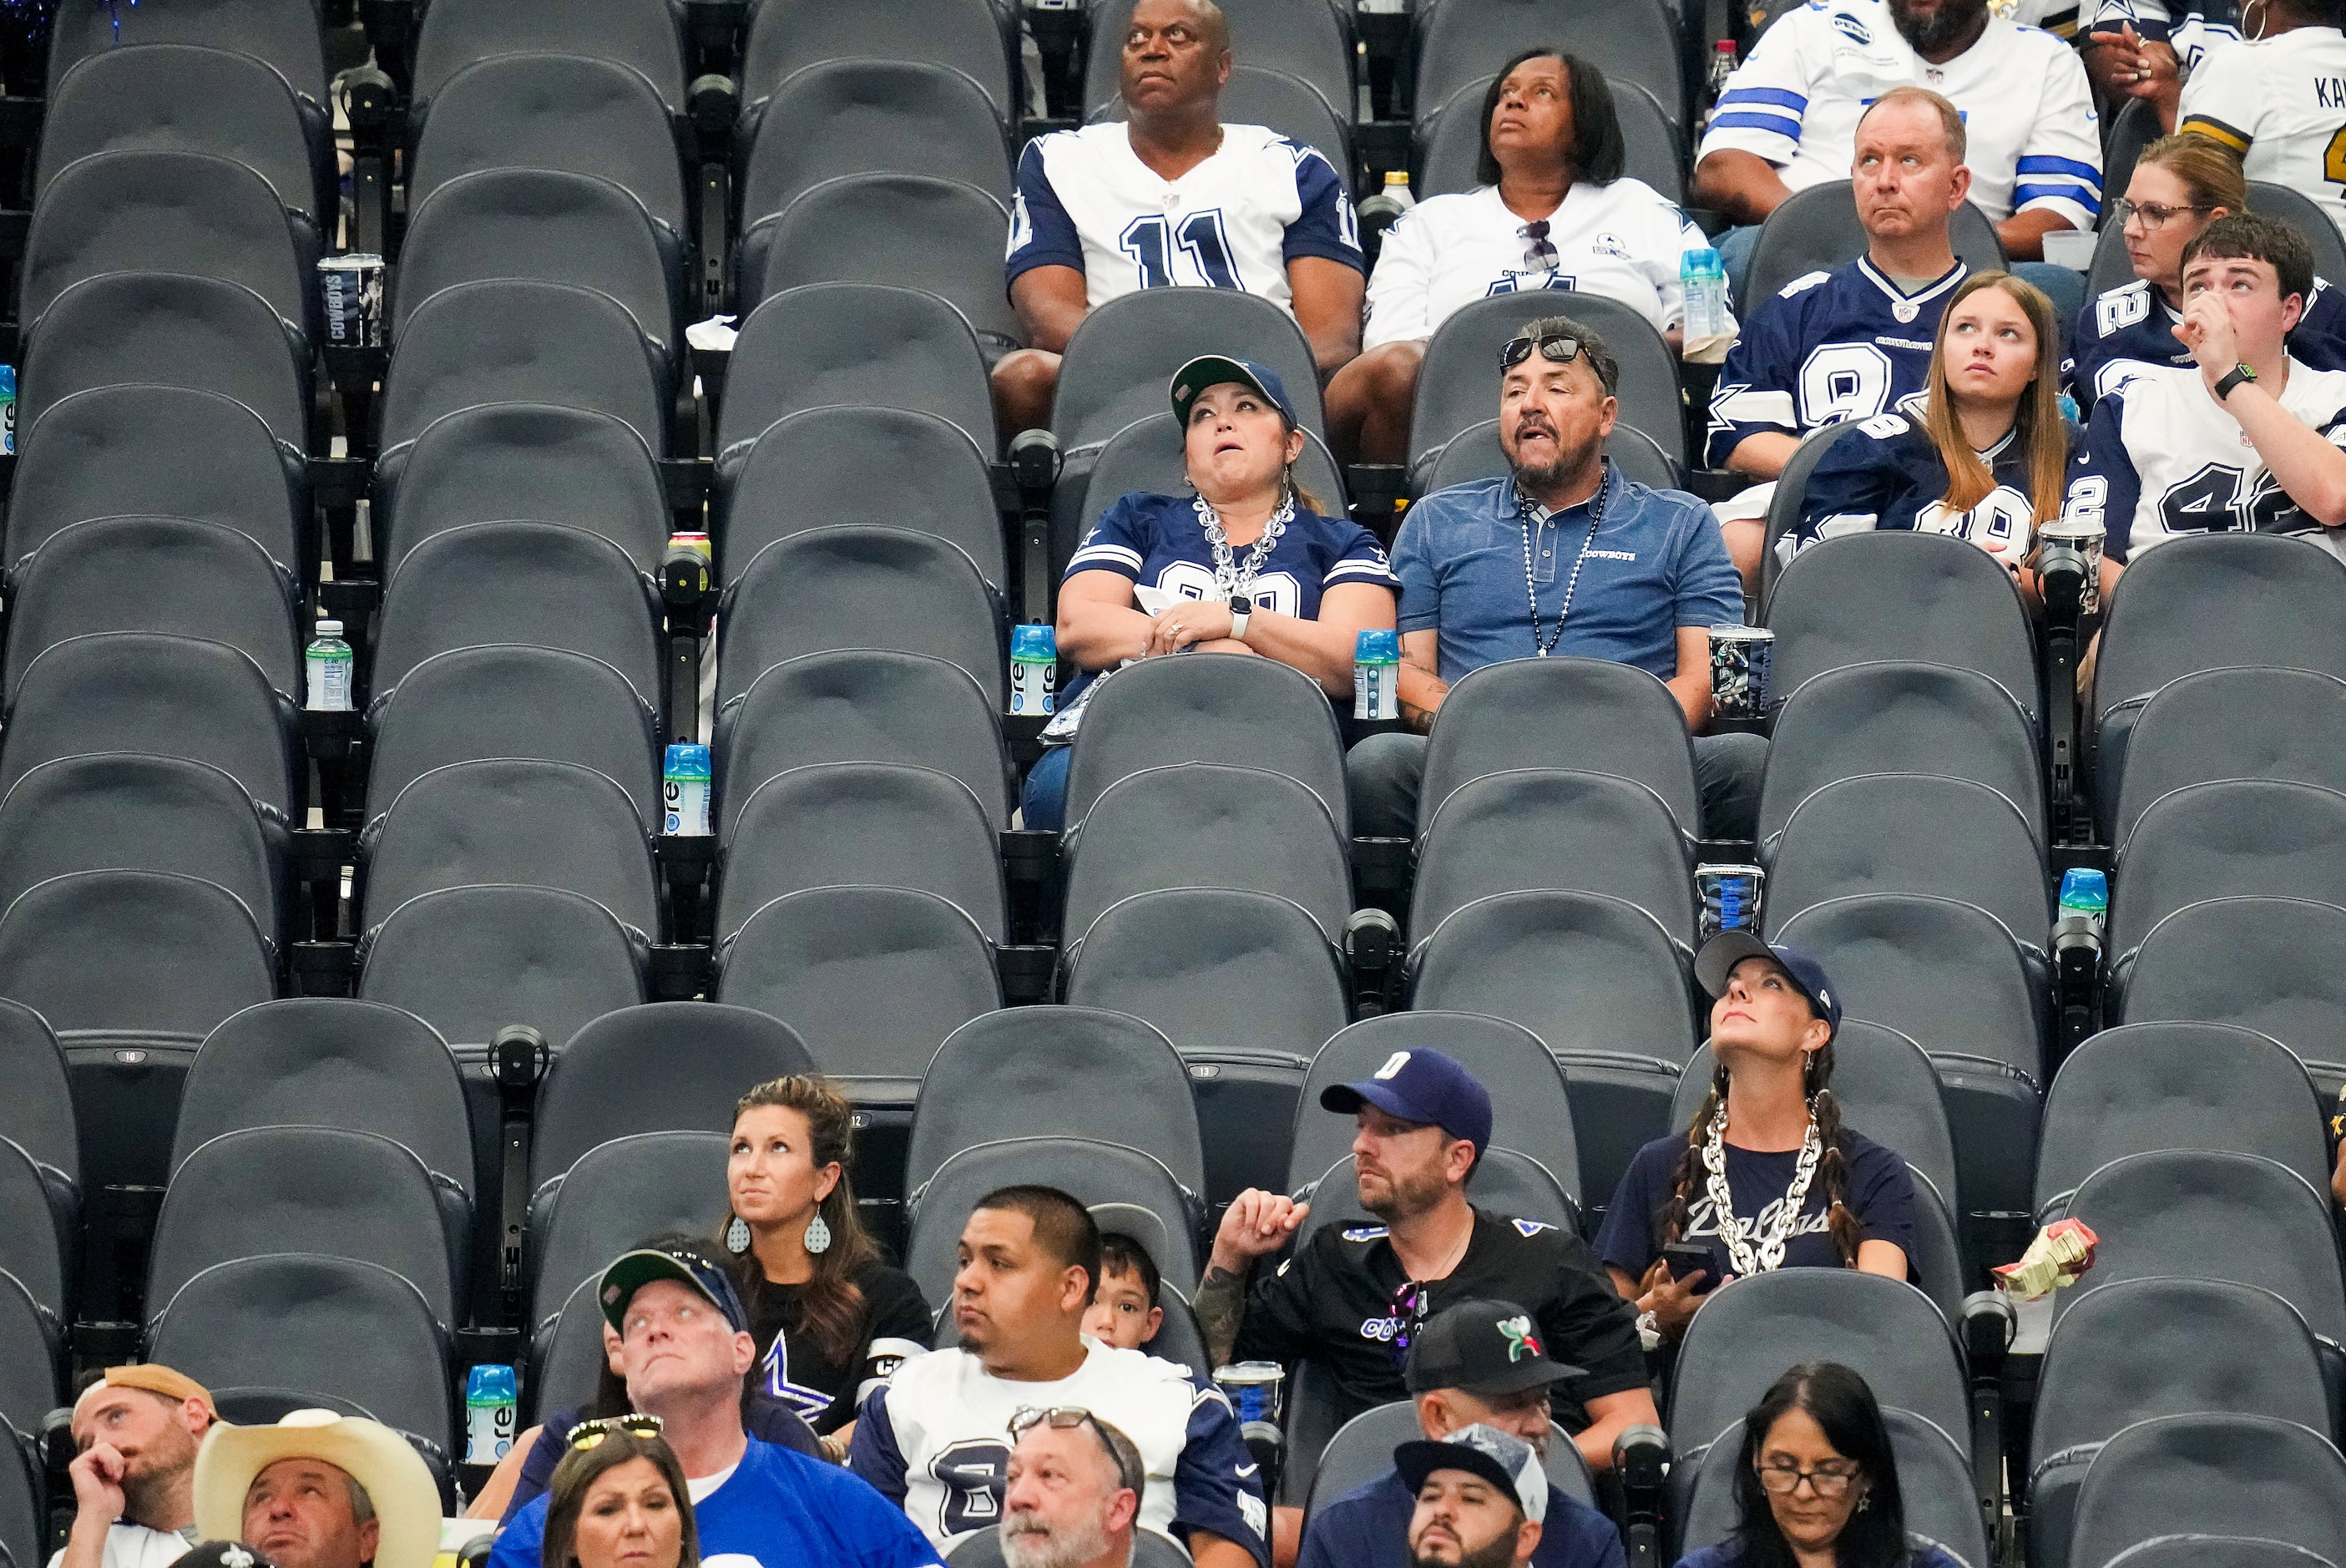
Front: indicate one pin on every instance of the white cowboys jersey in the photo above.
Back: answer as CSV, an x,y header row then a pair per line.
x,y
1085,201
2026,107
2163,458
2280,104
1623,240
2190,30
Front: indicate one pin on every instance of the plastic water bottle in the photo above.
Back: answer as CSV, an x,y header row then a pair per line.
x,y
1376,675
1704,276
684,789
1033,671
2085,900
491,1405
327,665
7,408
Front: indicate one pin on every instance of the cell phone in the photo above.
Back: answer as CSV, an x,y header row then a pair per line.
x,y
1685,1260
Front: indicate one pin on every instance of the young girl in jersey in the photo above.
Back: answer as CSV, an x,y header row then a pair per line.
x,y
1984,456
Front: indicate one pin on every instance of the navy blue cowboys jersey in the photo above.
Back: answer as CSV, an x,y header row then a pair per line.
x,y
1830,346
1886,474
2132,325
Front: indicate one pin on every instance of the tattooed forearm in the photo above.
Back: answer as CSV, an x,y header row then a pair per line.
x,y
1222,1308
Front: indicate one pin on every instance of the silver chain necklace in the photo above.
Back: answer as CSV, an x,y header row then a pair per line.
x,y
1232,578
1768,1254
1543,645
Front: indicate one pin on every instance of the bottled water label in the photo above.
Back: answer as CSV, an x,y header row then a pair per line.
x,y
491,1409
684,791
328,672
1034,671
1376,675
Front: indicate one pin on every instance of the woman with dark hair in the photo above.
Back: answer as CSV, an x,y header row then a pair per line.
x,y
1765,1176
831,1318
1984,456
619,1500
1818,1483
1551,210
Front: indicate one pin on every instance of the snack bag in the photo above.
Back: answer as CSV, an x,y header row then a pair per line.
x,y
2059,1256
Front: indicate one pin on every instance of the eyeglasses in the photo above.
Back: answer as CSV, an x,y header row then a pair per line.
x,y
2154,216
1409,1304
1784,1479
1563,351
1066,1418
589,1434
1539,250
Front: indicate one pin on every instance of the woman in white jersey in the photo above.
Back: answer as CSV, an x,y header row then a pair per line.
x,y
1551,210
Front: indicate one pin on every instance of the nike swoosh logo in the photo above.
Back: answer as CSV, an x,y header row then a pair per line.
x,y
1247,1469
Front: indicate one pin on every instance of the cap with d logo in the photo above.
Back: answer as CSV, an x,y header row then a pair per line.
x,y
1422,1086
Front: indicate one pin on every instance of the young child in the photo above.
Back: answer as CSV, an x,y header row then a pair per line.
x,y
1124,1310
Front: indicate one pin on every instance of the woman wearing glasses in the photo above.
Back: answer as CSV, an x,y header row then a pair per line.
x,y
619,1500
1550,209
2181,184
1817,1484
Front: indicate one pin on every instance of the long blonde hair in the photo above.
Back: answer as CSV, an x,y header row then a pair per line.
x,y
2037,420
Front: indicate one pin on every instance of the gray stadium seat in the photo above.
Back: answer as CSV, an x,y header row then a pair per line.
x,y
1547,827
1817,230
33,1252
1462,41
868,344
318,1190
24,1523
1362,1451
2211,1474
38,1116
2176,1086
1281,101
850,824
2274,965
873,979
1217,708
2232,724
158,451
1474,452
512,819
1201,824
1122,357
1935,1483
855,587
1246,987
942,236
2294,207
566,1356
1900,715
598,1089
2158,1347
2216,1551
29,1371
1448,140
284,32
2255,837
1784,506
1311,39
1590,715
786,35
1505,1182
865,116
155,575
511,700
860,705
1458,384
1063,1072
1599,983
638,33
618,1193
472,960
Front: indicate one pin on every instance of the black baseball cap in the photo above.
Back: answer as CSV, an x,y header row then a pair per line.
x,y
1422,1086
1481,1347
631,1271
1721,954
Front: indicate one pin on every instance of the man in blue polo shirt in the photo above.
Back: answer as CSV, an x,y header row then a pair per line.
x,y
1566,556
1477,1363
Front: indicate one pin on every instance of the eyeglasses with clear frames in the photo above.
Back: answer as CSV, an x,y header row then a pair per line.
x,y
2155,214
1783,1480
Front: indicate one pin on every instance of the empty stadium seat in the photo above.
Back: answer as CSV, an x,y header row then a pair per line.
x,y
1458,384
2221,724
1504,1182
1817,230
871,345
970,36
641,33
1448,140
1362,1451
2216,1551
2249,837
866,115
847,824
944,237
1599,983
23,1522
472,960
283,33
1934,1484
2216,1474
33,1252
1246,987
1311,39
38,1116
1123,356
1202,824
616,1194
1590,715
1547,827
2274,965
1462,41
708,1053
32,1340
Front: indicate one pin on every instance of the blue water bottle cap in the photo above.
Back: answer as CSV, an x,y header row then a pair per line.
x,y
2082,888
687,760
1377,647
490,1383
1034,644
1700,261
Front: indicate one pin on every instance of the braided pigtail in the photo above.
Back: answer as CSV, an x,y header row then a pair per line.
x,y
1841,1220
1678,1211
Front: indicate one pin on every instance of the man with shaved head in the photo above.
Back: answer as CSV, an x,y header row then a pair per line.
x,y
1172,197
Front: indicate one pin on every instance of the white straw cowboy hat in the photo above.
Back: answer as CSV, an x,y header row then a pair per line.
x,y
398,1482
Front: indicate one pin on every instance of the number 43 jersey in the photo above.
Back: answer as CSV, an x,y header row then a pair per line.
x,y
2162,458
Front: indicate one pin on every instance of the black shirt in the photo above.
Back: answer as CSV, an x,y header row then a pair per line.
x,y
1332,1302
896,1324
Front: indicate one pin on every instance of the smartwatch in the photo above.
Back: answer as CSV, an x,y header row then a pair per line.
x,y
2231,379
1240,607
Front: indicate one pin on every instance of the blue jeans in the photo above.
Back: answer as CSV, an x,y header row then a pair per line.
x,y
1043,804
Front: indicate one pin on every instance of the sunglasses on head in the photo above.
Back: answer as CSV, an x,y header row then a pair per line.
x,y
589,1434
1409,1305
1539,250
1556,348
1066,1418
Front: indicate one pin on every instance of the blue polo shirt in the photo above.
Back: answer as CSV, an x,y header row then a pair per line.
x,y
1368,1527
1657,563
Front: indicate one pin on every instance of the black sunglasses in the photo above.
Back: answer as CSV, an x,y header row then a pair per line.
x,y
1561,350
1409,1304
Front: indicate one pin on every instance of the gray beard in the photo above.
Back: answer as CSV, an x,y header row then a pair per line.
x,y
1549,476
1069,1547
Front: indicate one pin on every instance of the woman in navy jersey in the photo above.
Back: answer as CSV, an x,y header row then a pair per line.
x,y
1984,454
1245,564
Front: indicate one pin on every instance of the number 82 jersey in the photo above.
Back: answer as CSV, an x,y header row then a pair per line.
x,y
2162,458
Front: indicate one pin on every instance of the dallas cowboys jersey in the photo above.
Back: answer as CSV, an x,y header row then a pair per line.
x,y
1085,201
2026,106
1623,240
1887,474
2163,457
2190,29
2131,326
935,1439
2280,105
1830,346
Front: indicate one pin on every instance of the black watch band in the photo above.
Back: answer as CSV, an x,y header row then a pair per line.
x,y
2237,376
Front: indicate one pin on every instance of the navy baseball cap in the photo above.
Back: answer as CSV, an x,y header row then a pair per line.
x,y
1422,1086
1213,370
1722,953
631,1271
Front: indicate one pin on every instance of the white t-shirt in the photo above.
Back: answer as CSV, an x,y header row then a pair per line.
x,y
2280,104
2027,111
130,1545
1623,240
1085,201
